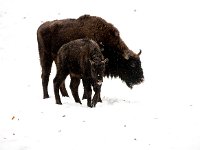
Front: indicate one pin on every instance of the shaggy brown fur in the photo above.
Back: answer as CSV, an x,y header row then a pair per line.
x,y
123,63
82,59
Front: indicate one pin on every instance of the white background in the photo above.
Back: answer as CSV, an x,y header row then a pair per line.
x,y
160,114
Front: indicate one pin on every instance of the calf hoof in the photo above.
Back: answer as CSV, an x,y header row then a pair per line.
x,y
89,105
100,100
45,96
93,105
64,94
79,102
59,103
84,96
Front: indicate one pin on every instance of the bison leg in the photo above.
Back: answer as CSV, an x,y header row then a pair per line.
x,y
63,90
84,94
87,92
74,88
96,97
58,80
46,64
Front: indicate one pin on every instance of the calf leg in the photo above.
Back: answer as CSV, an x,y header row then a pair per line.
x,y
96,97
87,92
58,80
46,64
74,88
100,99
63,89
84,94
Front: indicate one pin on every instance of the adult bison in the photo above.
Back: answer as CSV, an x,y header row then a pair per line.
x,y
123,62
82,59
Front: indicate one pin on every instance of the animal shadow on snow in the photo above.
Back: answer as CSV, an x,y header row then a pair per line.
x,y
106,101
113,101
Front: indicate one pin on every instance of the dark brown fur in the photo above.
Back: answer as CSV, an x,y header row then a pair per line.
x,y
82,59
123,63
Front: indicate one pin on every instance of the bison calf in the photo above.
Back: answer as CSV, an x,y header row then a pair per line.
x,y
82,59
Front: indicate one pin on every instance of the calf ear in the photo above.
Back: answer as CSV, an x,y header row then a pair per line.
x,y
101,46
114,32
105,61
91,62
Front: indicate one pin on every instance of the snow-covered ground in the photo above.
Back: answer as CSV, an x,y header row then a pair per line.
x,y
160,114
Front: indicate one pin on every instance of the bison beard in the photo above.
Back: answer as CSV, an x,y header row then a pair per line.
x,y
123,62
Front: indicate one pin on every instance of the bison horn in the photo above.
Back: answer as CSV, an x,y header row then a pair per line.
x,y
139,53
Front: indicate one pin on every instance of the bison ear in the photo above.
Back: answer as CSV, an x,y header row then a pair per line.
x,y
127,54
130,53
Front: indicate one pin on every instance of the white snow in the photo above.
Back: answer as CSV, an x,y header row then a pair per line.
x,y
160,114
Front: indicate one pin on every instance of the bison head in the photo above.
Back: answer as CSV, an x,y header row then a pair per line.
x,y
130,69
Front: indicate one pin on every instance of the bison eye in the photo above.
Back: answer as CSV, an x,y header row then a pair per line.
x,y
132,64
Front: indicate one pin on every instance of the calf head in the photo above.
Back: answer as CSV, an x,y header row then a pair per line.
x,y
97,70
